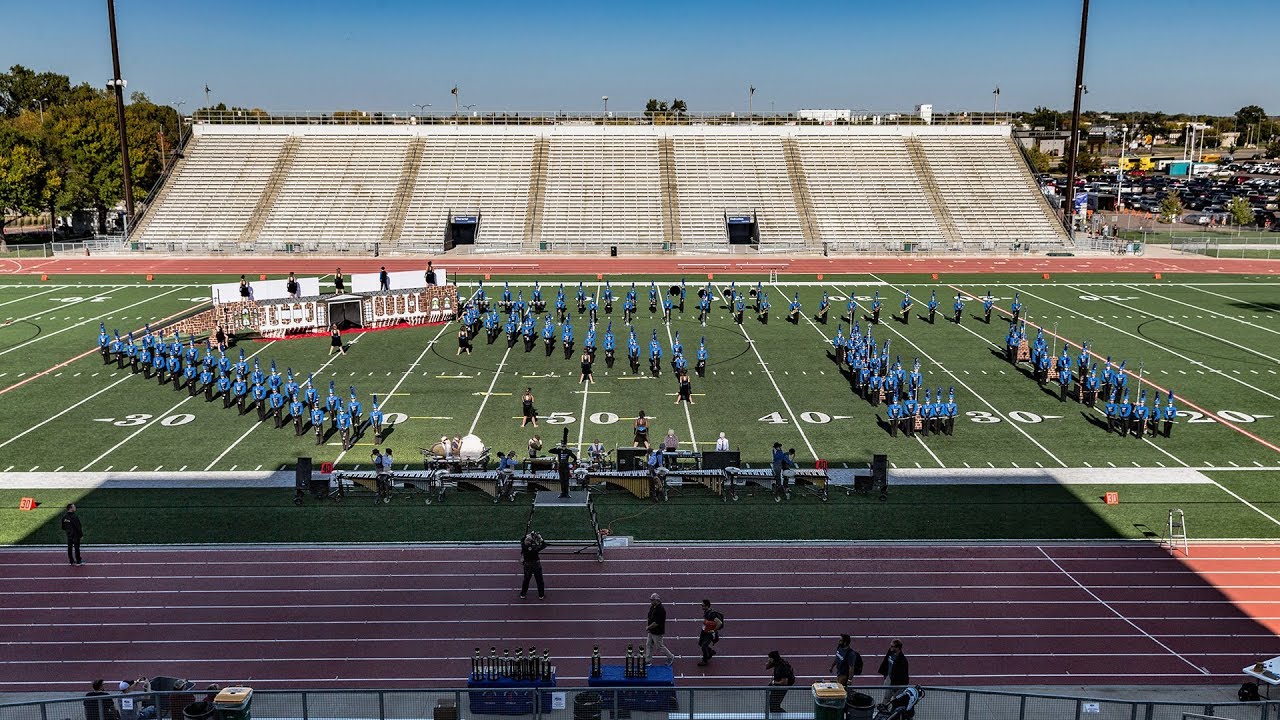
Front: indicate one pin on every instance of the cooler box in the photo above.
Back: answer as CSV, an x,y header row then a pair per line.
x,y
828,701
233,703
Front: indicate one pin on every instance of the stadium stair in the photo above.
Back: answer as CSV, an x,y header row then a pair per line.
x,y
537,191
930,184
267,200
404,191
1050,214
800,193
670,192
140,224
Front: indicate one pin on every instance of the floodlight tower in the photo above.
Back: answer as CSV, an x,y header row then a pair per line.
x,y
118,85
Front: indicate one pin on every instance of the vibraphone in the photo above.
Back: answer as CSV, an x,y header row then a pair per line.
x,y
813,477
428,484
636,482
501,485
713,480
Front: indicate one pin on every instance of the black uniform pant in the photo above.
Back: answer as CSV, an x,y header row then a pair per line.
x,y
533,570
73,549
564,493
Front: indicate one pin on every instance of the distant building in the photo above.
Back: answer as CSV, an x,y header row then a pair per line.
x,y
826,115
1050,142
926,113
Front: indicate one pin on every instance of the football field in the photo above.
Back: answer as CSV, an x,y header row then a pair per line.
x,y
1212,339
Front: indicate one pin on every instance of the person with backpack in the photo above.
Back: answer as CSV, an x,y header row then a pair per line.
x,y
847,662
783,677
712,624
74,532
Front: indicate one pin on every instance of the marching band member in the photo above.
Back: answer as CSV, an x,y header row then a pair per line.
x,y
700,365
906,307
1169,414
610,345
512,330
331,401
655,355
311,395
894,415
762,307
633,352
739,307
667,306
548,335
354,407
957,309
876,306
988,302
952,411
343,425
933,305
794,310
608,298
566,338
581,296
317,422
258,395
824,306
926,413
589,341
704,305
240,393
223,388
296,413
275,403
375,420
837,343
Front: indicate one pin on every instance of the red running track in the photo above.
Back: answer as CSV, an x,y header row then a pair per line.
x,y
410,616
692,266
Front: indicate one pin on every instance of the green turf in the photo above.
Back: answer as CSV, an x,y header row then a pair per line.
x,y
1209,337
978,512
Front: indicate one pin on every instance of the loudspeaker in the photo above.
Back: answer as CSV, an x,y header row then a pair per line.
x,y
713,460
631,458
880,474
302,474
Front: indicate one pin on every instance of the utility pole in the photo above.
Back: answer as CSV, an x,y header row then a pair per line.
x,y
119,85
1074,145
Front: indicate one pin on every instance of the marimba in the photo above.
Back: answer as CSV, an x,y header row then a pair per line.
x,y
427,484
637,482
501,485
713,480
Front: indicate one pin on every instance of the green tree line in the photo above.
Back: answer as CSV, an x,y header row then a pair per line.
x,y
60,148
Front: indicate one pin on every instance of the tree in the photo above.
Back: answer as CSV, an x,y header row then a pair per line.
x,y
1273,148
21,89
679,107
1241,211
1039,160
1045,118
1249,116
1088,163
27,184
1170,207
655,107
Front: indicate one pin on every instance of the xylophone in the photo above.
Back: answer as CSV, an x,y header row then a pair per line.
x,y
764,478
428,484
713,480
636,482
502,485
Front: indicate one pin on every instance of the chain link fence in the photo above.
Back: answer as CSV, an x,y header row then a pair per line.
x,y
645,703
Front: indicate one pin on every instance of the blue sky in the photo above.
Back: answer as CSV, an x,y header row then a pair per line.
x,y
323,55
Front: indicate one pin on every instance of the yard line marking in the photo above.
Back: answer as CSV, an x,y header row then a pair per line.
x,y
485,400
962,383
1197,331
154,421
71,327
1228,297
257,425
687,416
50,419
1209,413
409,371
769,373
1229,317
29,297
1118,614
825,339
36,316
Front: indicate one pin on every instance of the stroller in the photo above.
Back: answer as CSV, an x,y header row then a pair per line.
x,y
901,706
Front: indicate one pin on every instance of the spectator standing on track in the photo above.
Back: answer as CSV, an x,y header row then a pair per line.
x,y
894,669
530,546
656,629
783,676
712,622
384,280
74,532
847,661
98,708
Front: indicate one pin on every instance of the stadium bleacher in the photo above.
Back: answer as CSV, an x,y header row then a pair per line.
x,y
582,189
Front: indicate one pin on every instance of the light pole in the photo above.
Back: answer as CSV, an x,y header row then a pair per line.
x,y
40,103
1124,142
605,119
1074,148
422,107
118,85
178,108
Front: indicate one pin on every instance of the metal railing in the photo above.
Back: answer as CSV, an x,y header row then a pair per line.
x,y
585,118
657,703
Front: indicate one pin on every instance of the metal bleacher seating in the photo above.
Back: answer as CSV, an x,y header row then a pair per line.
x,y
485,173
211,196
734,172
338,190
602,189
988,190
865,191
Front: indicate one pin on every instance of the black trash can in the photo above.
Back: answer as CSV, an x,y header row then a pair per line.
x,y
586,706
613,251
198,711
860,707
